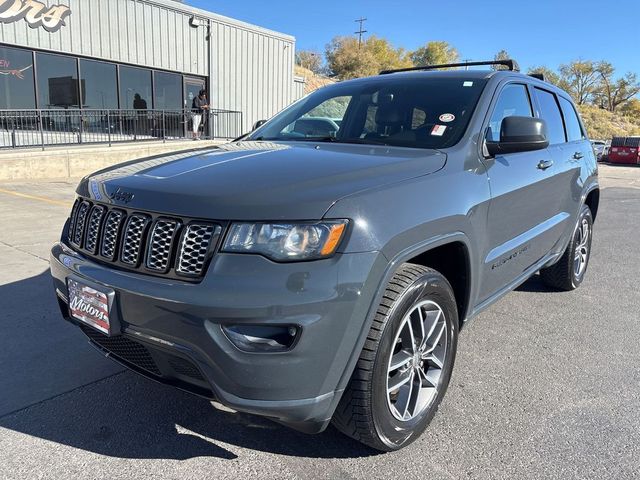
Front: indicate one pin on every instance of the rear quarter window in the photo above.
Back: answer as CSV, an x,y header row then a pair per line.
x,y
574,130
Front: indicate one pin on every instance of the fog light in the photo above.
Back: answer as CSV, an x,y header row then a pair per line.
x,y
262,338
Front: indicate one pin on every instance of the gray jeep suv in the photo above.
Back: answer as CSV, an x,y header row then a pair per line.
x,y
319,269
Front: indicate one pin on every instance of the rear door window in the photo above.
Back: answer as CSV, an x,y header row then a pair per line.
x,y
513,101
550,112
574,130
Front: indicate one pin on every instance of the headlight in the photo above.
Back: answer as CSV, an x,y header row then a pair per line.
x,y
286,242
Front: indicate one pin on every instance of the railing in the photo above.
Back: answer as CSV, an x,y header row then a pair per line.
x,y
42,128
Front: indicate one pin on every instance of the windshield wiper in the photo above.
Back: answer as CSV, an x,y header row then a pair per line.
x,y
297,139
365,141
327,138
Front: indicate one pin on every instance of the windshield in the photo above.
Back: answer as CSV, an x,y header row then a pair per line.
x,y
391,110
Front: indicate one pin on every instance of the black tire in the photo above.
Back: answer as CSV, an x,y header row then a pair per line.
x,y
365,409
564,275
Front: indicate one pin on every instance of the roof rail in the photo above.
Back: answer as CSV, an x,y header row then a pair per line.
x,y
511,64
539,76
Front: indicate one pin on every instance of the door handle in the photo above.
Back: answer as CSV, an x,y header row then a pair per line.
x,y
544,164
577,156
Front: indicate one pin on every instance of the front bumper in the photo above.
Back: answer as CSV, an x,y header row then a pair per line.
x,y
179,326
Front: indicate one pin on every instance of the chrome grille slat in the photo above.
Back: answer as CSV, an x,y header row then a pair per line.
x,y
132,239
110,234
145,242
195,247
160,245
93,228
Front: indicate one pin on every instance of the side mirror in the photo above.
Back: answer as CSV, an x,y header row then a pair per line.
x,y
520,134
258,124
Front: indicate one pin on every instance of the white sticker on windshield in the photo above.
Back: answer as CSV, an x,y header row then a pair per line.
x,y
438,130
467,84
447,117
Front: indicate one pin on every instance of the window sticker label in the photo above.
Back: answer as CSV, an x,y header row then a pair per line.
x,y
467,84
438,130
447,117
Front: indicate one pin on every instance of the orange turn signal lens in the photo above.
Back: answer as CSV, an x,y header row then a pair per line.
x,y
335,235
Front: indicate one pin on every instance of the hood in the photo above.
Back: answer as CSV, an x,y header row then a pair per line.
x,y
256,180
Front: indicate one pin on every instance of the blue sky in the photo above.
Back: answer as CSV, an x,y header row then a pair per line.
x,y
534,33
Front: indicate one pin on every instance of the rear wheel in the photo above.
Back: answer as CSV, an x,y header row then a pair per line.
x,y
405,366
568,273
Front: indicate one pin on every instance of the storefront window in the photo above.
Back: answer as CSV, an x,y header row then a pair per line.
x,y
135,88
98,85
168,89
16,79
57,81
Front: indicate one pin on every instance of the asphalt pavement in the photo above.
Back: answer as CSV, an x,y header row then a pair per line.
x,y
546,384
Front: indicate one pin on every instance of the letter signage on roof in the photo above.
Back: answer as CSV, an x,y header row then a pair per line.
x,y
35,13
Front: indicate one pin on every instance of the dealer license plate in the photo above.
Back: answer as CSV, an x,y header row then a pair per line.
x,y
89,305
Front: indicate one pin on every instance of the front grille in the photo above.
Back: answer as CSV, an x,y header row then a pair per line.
x,y
162,238
125,349
195,244
143,241
72,221
80,223
93,229
110,234
133,232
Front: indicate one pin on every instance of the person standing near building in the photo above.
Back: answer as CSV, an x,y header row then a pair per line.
x,y
198,108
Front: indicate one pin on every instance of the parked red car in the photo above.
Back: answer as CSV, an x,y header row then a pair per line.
x,y
625,150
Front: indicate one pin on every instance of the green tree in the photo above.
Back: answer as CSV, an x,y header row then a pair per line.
x,y
345,59
434,53
604,124
581,79
612,93
631,110
549,75
310,60
501,55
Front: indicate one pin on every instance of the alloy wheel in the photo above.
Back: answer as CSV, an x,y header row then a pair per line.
x,y
416,361
581,256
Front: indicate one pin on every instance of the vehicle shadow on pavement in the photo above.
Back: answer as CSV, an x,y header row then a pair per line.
x,y
535,285
118,413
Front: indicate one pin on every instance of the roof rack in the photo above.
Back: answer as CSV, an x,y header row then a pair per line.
x,y
511,64
539,76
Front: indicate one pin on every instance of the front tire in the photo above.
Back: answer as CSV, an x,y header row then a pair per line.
x,y
568,273
405,366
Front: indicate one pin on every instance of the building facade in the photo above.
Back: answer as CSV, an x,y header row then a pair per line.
x,y
139,55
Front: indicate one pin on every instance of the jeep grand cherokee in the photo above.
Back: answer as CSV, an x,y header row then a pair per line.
x,y
319,269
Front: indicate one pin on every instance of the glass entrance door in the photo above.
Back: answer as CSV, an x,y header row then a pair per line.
x,y
192,87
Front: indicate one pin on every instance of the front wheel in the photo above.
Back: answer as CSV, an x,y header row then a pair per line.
x,y
404,369
568,273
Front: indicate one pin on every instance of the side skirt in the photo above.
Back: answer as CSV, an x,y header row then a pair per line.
x,y
547,259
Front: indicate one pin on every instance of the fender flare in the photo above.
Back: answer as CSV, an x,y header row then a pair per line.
x,y
393,264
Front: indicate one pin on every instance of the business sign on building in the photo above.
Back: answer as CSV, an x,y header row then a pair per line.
x,y
35,13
